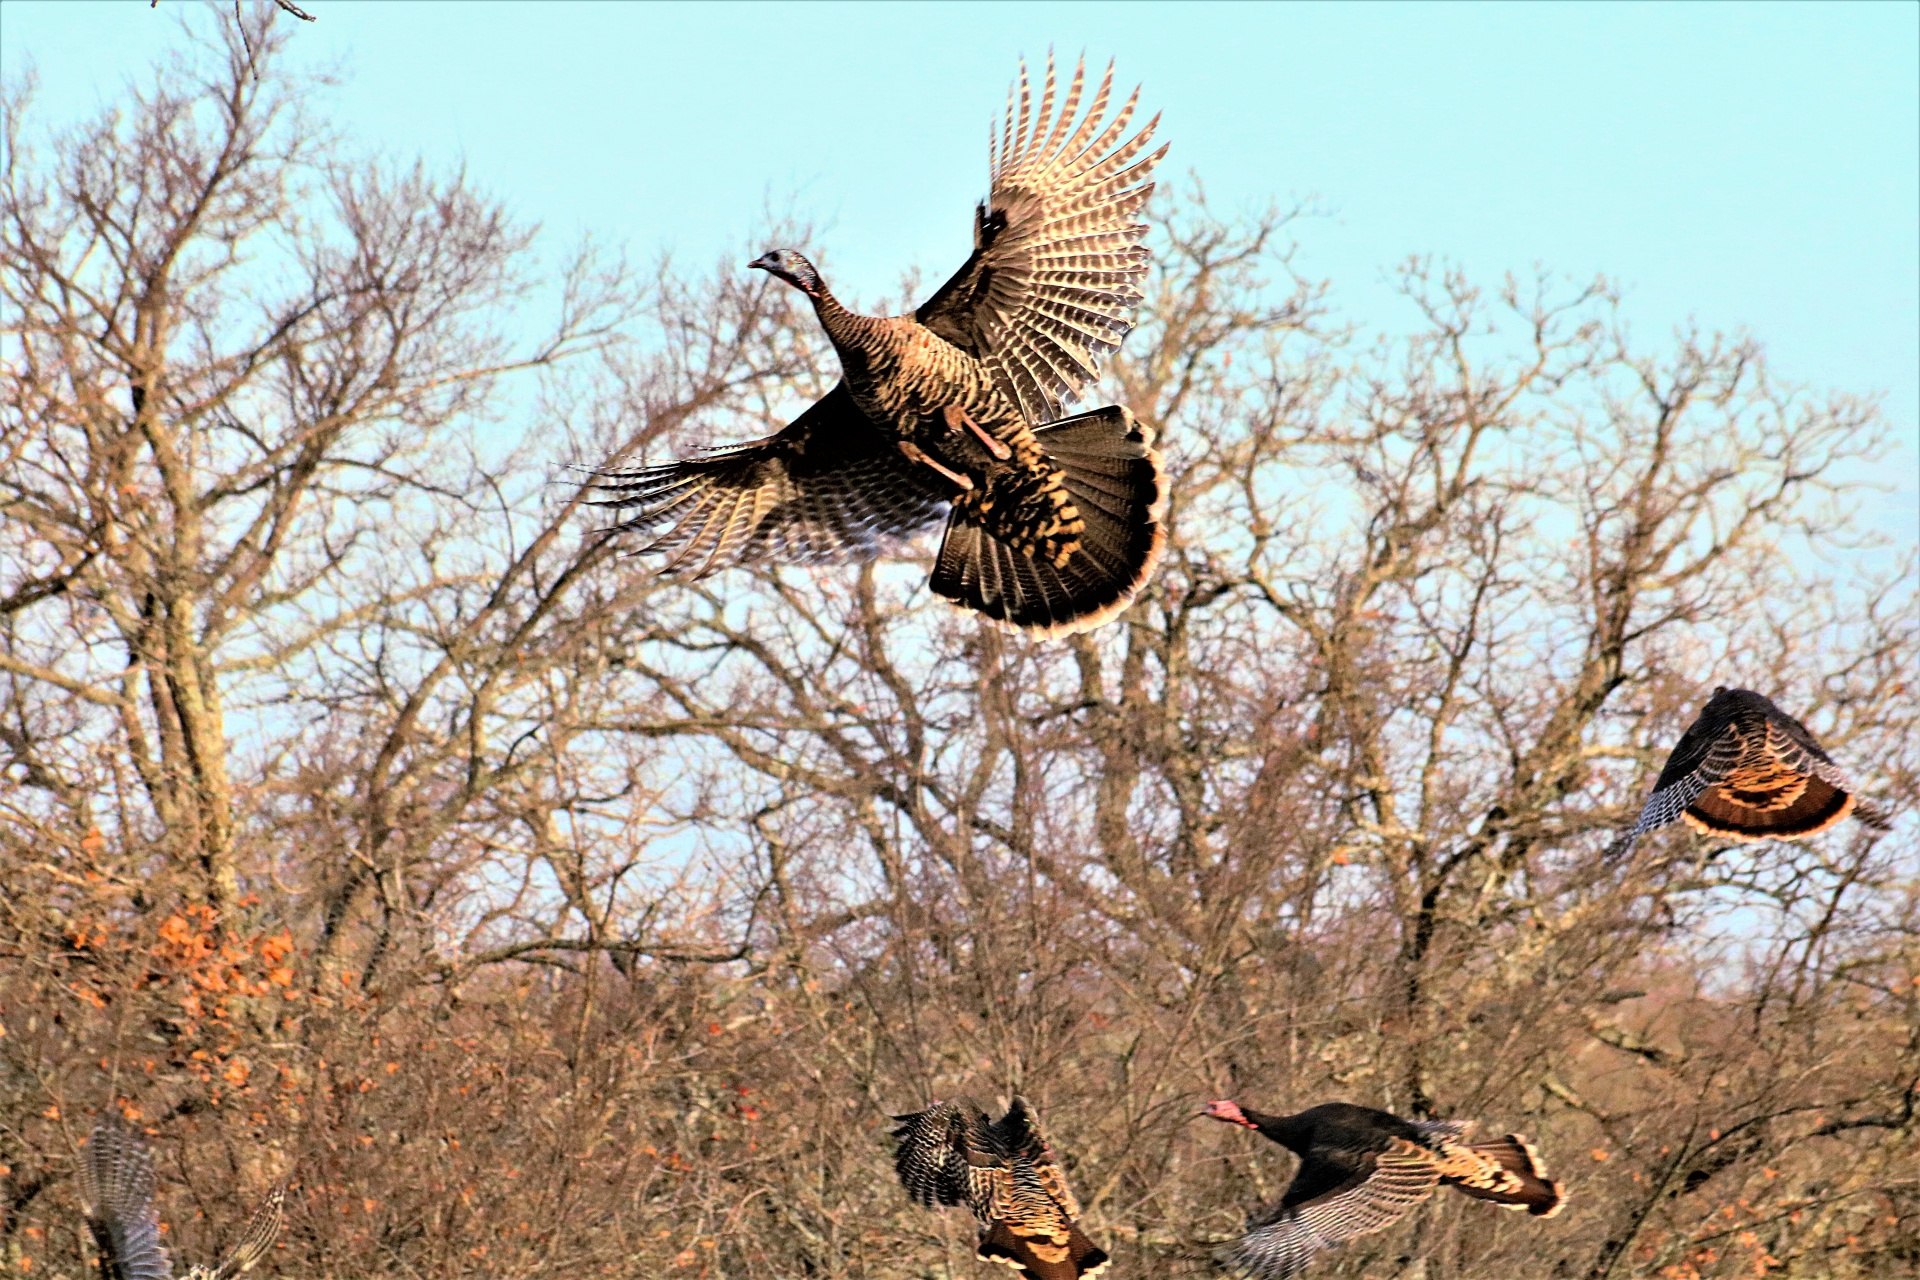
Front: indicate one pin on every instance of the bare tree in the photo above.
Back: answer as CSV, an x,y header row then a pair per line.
x,y
368,821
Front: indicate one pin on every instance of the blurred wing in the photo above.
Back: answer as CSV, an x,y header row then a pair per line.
x,y
1057,262
828,487
116,1186
1328,1205
1452,1130
257,1240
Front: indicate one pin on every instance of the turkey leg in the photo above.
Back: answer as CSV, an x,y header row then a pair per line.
x,y
914,453
957,417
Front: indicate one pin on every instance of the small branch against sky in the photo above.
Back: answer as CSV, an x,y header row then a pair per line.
x,y
285,6
240,19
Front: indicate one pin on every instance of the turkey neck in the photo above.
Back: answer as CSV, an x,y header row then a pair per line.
x,y
854,336
1288,1131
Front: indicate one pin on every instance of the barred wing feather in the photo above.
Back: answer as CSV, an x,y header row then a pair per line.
x,y
1745,770
116,1188
932,1158
256,1241
1057,265
1326,1206
1702,759
830,486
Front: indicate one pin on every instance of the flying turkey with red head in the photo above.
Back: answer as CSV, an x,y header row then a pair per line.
x,y
1361,1170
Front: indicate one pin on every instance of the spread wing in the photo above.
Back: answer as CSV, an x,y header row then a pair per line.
x,y
1703,758
1057,262
257,1240
1745,770
116,1188
1328,1204
941,1157
830,486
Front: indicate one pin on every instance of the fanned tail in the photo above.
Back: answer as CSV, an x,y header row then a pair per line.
x,y
1818,807
1530,1188
1078,1258
1114,477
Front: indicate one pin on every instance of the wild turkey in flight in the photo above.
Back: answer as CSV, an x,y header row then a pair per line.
x,y
1005,1172
1053,523
1746,770
116,1192
1361,1170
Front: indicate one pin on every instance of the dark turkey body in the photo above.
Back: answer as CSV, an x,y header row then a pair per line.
x,y
1338,1131
908,379
1337,1141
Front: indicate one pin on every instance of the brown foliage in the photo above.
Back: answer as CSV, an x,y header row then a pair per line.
x,y
366,823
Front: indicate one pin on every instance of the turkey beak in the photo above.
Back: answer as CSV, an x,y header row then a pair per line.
x,y
763,263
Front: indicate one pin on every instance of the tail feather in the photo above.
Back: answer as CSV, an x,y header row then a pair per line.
x,y
1113,475
978,569
1818,807
1538,1194
1078,1259
1869,814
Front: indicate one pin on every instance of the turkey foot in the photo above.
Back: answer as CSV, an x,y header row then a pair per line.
x,y
956,418
914,453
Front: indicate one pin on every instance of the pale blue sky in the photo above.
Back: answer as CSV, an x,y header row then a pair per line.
x,y
1750,166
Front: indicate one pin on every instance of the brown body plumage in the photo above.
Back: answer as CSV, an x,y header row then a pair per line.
x,y
1004,1171
116,1193
945,404
1361,1170
1746,770
1053,524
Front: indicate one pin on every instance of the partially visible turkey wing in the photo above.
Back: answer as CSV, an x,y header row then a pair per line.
x,y
1057,263
1702,759
116,1190
1326,1206
830,486
937,1154
1021,1138
256,1241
